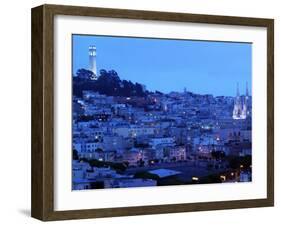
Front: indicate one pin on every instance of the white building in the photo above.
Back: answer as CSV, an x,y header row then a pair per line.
x,y
240,109
93,61
111,142
133,131
163,141
104,172
177,153
86,147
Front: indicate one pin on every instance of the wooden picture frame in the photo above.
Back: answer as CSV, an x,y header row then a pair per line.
x,y
42,203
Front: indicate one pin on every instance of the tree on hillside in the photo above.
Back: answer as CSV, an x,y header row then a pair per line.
x,y
84,74
108,83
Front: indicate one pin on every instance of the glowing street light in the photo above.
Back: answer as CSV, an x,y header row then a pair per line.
x,y
195,178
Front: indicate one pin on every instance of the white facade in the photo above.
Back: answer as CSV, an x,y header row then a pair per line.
x,y
88,147
240,109
100,173
113,143
165,141
92,61
133,131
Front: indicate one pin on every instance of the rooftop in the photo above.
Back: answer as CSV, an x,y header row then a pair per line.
x,y
164,172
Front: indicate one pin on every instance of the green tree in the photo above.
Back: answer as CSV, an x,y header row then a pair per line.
x,y
84,74
75,154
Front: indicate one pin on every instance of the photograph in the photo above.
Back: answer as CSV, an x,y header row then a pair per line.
x,y
152,111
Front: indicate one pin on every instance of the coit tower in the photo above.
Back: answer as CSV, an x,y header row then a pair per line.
x,y
93,60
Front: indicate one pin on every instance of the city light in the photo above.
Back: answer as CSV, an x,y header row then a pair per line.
x,y
195,178
223,177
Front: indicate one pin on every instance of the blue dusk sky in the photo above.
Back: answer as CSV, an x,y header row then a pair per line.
x,y
203,67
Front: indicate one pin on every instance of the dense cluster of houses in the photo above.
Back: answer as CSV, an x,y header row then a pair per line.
x,y
144,131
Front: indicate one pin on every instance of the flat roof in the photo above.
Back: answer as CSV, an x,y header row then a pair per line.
x,y
164,172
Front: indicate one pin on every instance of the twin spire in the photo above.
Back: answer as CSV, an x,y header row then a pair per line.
x,y
240,110
237,90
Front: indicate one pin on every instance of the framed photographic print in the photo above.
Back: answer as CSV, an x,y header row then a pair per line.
x,y
141,112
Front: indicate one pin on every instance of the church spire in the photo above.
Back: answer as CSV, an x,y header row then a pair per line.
x,y
237,90
247,91
240,105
